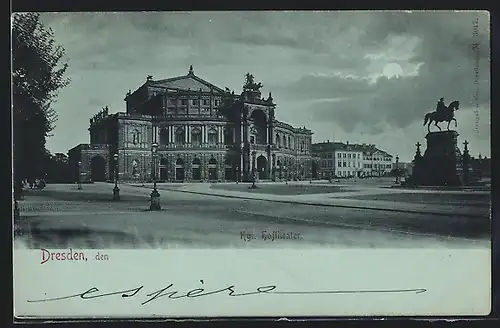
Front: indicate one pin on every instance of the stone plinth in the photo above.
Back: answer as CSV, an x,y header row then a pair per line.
x,y
441,164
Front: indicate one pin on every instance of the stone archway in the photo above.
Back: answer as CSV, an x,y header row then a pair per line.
x,y
196,169
212,169
262,167
163,169
229,171
98,168
260,125
179,169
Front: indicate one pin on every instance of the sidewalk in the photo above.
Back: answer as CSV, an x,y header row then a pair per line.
x,y
337,200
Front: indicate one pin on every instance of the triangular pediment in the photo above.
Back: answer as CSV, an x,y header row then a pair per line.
x,y
191,82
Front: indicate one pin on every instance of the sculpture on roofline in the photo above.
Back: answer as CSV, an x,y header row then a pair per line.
x,y
250,83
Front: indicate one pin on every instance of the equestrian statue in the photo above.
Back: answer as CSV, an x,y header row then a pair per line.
x,y
442,113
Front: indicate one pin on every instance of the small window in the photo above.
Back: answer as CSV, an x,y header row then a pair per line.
x,y
205,102
183,102
252,139
196,102
216,103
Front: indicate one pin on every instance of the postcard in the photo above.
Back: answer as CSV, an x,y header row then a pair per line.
x,y
238,163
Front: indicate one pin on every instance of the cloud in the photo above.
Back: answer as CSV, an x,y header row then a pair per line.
x,y
441,46
323,68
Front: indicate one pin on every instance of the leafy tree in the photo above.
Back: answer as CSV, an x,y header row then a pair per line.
x,y
57,168
37,75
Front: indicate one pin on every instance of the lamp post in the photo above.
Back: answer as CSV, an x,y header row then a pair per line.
x,y
237,174
285,173
143,176
155,195
397,169
79,182
116,190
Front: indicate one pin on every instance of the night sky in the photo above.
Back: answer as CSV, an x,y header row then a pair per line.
x,y
366,77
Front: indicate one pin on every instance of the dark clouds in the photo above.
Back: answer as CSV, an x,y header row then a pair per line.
x,y
318,65
447,70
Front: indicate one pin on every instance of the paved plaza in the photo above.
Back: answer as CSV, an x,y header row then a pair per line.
x,y
230,215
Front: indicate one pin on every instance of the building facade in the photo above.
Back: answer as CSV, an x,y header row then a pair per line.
x,y
202,133
345,160
376,162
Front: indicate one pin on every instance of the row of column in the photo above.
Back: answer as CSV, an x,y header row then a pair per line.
x,y
204,133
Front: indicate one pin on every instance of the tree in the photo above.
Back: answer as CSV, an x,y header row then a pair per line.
x,y
37,75
57,168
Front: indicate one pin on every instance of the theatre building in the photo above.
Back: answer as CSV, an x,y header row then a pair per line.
x,y
187,129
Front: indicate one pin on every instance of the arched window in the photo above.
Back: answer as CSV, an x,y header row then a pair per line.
x,y
164,136
136,136
212,137
284,141
278,140
180,136
228,136
196,136
289,142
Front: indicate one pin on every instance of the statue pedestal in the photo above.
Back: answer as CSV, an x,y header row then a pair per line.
x,y
441,164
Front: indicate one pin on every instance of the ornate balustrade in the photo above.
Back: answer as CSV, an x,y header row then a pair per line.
x,y
187,146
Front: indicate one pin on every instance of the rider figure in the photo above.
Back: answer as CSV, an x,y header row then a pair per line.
x,y
440,106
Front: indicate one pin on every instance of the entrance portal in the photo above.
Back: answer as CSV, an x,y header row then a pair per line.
x,y
163,169
179,169
262,167
98,168
196,169
228,170
212,169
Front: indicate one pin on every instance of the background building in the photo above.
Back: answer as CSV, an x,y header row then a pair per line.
x,y
204,133
481,167
337,159
376,162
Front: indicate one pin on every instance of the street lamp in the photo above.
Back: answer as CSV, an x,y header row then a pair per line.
x,y
285,173
79,176
397,169
155,195
116,190
237,174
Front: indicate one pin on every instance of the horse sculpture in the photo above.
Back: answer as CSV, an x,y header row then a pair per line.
x,y
447,115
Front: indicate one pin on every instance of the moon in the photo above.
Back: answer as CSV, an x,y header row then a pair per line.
x,y
392,70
